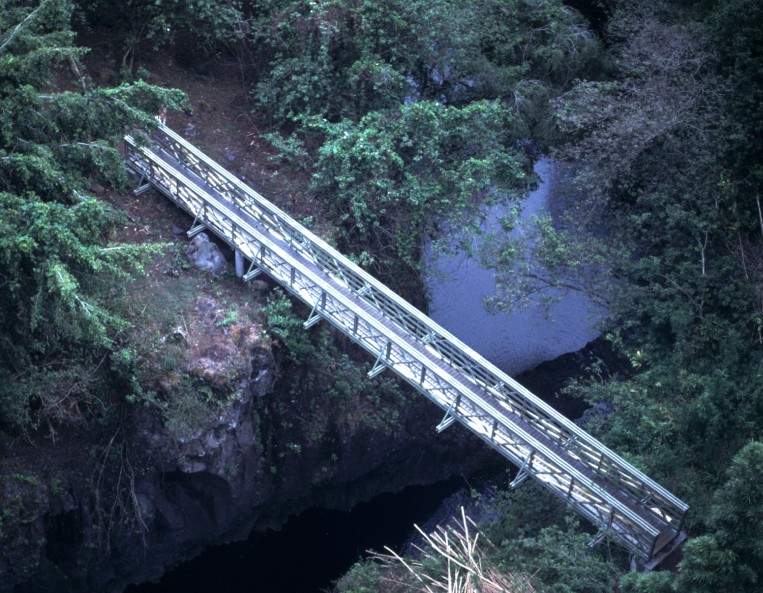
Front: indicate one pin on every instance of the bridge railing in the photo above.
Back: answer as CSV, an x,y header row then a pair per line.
x,y
566,434
517,404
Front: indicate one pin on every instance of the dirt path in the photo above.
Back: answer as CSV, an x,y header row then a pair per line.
x,y
221,121
221,124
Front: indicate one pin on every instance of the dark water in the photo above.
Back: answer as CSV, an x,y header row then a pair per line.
x,y
310,551
514,343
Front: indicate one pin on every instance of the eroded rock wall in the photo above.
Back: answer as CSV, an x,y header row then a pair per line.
x,y
99,522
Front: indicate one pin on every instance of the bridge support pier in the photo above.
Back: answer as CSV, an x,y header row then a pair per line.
x,y
239,264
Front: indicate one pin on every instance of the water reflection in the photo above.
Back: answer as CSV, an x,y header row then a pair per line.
x,y
458,285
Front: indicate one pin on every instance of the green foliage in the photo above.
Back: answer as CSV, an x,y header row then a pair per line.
x,y
58,265
522,512
344,59
393,166
201,27
731,557
60,393
187,407
683,416
286,326
363,577
561,561
23,495
736,31
536,534
675,234
338,59
410,114
184,403
737,512
653,582
394,178
709,567
666,160
334,392
644,218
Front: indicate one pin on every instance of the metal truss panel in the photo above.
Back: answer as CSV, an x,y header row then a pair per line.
x,y
613,469
548,447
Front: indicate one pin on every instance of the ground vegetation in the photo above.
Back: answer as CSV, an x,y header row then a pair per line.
x,y
59,256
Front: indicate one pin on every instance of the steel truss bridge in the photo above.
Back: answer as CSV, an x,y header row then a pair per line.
x,y
624,504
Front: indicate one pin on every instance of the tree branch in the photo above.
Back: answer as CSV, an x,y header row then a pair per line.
x,y
18,27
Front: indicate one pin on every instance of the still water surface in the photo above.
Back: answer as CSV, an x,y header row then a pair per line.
x,y
514,343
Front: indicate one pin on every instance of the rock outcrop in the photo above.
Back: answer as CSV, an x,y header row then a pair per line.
x,y
157,494
205,255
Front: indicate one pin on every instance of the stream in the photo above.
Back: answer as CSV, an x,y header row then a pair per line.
x,y
312,550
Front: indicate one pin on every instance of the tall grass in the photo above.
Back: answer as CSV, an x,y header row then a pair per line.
x,y
451,561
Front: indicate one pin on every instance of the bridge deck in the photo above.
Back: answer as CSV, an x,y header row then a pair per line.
x,y
624,503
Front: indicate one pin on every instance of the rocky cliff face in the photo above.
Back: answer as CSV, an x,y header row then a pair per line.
x,y
271,446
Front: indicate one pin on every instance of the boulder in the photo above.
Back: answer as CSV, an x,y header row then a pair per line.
x,y
205,255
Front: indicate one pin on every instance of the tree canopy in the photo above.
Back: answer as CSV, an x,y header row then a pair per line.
x,y
413,116
58,138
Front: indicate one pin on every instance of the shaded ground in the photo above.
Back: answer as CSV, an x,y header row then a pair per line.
x,y
168,296
220,123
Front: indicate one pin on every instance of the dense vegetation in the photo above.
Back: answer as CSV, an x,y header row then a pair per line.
x,y
58,264
410,119
659,124
411,116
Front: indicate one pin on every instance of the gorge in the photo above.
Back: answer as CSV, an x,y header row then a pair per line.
x,y
260,554
149,410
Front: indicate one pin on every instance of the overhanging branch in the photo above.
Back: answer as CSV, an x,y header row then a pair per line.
x,y
19,26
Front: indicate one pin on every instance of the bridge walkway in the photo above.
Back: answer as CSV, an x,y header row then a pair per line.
x,y
622,502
